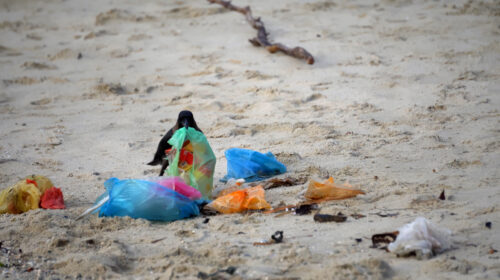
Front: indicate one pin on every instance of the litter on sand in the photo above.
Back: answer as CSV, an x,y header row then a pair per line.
x,y
178,185
299,209
218,274
381,240
421,238
329,191
251,165
277,237
283,182
305,209
442,196
192,159
41,182
324,218
31,193
191,168
241,200
52,198
19,198
316,193
320,192
231,185
143,199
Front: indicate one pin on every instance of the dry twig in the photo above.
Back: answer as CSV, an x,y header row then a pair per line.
x,y
261,39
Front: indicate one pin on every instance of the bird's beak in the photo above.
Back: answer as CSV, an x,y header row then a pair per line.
x,y
185,123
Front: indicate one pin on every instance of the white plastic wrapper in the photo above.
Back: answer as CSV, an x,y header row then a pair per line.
x,y
422,238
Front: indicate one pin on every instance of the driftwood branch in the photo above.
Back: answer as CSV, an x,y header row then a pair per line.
x,y
261,39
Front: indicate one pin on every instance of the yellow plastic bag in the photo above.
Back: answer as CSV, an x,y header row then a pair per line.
x,y
19,198
329,191
42,183
241,200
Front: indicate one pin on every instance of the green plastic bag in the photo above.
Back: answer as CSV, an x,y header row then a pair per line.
x,y
192,159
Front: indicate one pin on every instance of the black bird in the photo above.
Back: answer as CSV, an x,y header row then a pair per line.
x,y
186,120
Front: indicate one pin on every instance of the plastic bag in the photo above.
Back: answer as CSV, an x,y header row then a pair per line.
x,y
329,191
192,159
241,200
41,182
52,199
251,165
178,185
144,199
422,238
231,185
21,197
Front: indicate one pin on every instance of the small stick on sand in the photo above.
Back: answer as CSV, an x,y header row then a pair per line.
x,y
261,39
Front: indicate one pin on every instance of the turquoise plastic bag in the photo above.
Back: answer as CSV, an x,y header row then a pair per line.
x,y
146,200
192,159
251,165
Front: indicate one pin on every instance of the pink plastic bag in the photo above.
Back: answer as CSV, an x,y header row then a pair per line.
x,y
178,185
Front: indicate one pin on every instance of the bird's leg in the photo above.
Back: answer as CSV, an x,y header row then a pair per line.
x,y
163,167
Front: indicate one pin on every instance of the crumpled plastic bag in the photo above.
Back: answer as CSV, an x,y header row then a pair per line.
x,y
19,198
329,191
240,200
422,238
52,199
192,159
178,185
41,182
146,200
231,185
251,165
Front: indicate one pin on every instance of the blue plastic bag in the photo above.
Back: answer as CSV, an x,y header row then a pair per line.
x,y
251,165
146,200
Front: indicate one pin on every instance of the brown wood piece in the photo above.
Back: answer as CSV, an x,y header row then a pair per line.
x,y
261,40
324,218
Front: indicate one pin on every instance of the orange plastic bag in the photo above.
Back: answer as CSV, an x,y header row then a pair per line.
x,y
241,200
21,197
329,191
52,199
234,185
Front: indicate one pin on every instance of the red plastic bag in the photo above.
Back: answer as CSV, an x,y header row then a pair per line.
x,y
186,157
52,199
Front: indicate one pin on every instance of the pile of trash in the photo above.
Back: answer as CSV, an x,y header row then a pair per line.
x,y
188,190
188,185
32,192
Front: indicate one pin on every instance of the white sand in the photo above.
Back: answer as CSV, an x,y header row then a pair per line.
x,y
407,91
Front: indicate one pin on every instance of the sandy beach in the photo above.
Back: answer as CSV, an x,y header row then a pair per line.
x,y
402,102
